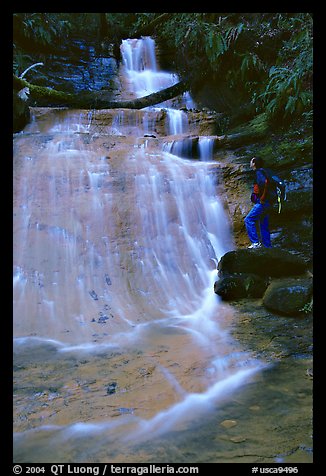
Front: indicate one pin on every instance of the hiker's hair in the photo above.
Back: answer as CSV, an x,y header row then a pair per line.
x,y
258,161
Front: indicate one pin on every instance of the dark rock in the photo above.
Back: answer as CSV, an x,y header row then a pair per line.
x,y
298,201
272,262
93,295
112,388
289,296
186,147
242,285
102,319
21,113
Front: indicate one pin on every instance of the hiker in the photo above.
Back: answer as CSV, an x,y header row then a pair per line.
x,y
259,214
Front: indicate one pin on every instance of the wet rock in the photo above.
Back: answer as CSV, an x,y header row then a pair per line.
x,y
112,388
21,113
93,295
146,372
268,262
289,296
297,201
238,439
242,285
277,276
108,280
186,147
102,319
228,423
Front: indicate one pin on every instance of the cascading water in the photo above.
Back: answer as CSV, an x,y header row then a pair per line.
x,y
145,77
141,68
119,336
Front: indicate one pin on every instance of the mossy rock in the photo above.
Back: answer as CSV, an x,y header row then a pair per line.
x,y
289,296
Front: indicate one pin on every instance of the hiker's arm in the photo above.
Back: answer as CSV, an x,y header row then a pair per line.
x,y
263,195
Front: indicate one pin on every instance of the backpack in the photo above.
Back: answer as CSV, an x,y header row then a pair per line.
x,y
276,188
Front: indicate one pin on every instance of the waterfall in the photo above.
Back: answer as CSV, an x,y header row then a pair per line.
x,y
115,240
145,77
139,60
205,145
177,121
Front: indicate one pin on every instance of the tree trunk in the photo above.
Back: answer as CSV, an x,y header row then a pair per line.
x,y
97,99
104,27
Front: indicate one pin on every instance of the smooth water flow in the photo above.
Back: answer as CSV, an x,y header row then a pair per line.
x,y
139,59
115,317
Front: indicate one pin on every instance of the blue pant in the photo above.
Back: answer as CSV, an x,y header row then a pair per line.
x,y
259,214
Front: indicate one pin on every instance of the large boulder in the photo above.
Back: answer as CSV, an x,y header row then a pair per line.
x,y
289,296
267,262
242,285
277,276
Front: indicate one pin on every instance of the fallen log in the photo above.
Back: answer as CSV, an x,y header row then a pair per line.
x,y
95,99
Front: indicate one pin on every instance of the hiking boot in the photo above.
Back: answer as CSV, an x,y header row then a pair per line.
x,y
254,245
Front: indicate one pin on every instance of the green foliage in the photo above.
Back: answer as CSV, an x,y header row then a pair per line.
x,y
218,40
21,62
308,307
37,29
287,91
44,27
250,62
265,58
284,91
293,146
142,20
199,40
